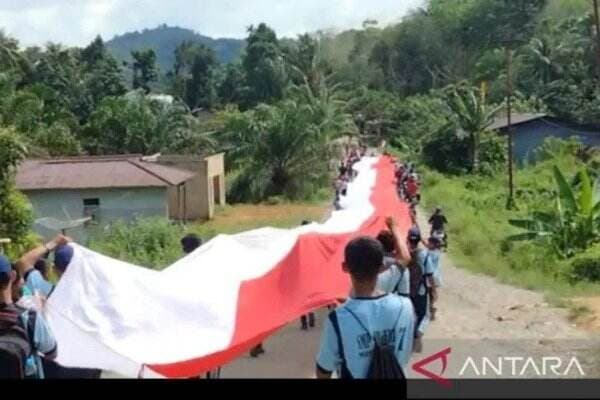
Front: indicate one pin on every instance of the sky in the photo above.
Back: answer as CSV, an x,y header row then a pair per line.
x,y
77,22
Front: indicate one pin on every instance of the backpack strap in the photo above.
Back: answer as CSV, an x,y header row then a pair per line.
x,y
27,274
333,318
359,322
423,274
31,320
397,287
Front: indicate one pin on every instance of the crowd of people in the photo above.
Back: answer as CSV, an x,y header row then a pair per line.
x,y
347,173
396,282
395,286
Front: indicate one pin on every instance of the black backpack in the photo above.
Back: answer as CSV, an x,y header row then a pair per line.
x,y
384,364
15,342
417,278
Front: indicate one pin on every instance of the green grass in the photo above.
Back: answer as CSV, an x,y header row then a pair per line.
x,y
154,242
577,312
478,226
237,218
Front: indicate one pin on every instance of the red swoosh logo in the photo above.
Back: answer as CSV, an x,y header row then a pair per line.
x,y
443,355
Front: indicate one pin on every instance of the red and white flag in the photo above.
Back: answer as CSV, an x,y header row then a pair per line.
x,y
220,301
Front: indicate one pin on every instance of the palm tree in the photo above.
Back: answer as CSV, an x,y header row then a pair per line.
x,y
10,58
284,149
473,116
574,222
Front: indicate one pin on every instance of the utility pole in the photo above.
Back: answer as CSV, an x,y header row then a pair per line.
x,y
597,24
510,204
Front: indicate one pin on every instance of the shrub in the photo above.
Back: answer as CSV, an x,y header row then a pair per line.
x,y
586,267
152,242
446,152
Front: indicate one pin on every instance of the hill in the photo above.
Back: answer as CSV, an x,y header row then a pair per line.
x,y
164,39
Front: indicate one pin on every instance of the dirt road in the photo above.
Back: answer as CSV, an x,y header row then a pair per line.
x,y
477,318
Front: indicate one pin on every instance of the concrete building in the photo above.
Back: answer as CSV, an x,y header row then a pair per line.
x,y
106,189
531,130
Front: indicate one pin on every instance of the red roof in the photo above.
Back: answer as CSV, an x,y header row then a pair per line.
x,y
97,172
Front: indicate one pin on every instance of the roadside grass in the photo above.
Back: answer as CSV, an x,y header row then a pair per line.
x,y
237,218
155,242
478,226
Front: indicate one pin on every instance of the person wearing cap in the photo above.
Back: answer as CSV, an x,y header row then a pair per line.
x,y
434,246
438,223
41,340
34,280
190,243
395,275
308,320
36,283
423,290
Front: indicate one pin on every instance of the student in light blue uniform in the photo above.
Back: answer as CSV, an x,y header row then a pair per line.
x,y
41,339
434,246
423,290
395,276
435,254
34,280
367,316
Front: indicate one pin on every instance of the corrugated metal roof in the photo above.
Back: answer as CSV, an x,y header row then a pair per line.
x,y
501,122
97,172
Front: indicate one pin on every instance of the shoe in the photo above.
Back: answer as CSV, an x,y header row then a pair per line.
x,y
304,322
257,351
418,345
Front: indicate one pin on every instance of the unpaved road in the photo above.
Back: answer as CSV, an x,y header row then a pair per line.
x,y
477,317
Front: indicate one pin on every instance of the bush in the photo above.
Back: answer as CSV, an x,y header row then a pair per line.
x,y
152,242
586,267
16,214
446,152
478,227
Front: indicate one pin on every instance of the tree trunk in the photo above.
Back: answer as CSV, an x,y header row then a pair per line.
x,y
475,152
597,25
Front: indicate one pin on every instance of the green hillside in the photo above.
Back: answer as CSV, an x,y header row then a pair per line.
x,y
164,39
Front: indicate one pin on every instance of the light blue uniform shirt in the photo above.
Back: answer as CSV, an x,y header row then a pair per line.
x,y
35,281
43,343
395,279
435,261
389,318
425,260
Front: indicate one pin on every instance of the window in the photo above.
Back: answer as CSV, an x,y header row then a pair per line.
x,y
91,208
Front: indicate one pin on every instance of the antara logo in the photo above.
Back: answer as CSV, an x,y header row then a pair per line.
x,y
419,367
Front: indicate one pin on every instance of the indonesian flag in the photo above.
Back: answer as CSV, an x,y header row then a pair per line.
x,y
220,301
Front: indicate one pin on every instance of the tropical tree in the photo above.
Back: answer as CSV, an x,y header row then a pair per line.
x,y
573,224
473,116
10,58
263,66
144,67
15,211
285,148
136,123
232,88
194,75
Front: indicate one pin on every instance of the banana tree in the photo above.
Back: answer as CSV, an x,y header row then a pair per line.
x,y
573,224
473,115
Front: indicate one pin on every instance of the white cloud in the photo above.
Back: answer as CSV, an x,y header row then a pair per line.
x,y
76,22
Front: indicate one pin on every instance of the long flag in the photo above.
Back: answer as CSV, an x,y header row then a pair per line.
x,y
220,301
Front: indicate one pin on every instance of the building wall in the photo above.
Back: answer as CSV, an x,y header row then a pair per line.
x,y
202,192
528,137
115,204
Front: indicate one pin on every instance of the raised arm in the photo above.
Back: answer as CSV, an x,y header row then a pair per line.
x,y
402,253
27,261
